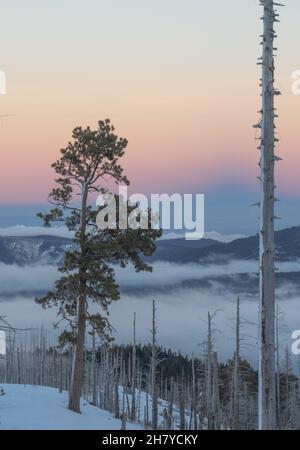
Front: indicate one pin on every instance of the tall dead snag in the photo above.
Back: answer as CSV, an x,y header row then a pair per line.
x,y
94,369
181,410
277,370
116,396
154,363
170,406
194,395
133,407
267,377
236,372
216,421
209,372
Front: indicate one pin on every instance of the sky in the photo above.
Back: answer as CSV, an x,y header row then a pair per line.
x,y
177,78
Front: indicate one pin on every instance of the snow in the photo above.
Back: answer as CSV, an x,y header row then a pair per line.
x,y
25,407
43,408
225,238
214,235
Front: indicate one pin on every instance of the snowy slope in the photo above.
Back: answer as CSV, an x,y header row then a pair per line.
x,y
42,408
213,235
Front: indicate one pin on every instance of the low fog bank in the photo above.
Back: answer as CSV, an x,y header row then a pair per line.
x,y
181,308
15,279
181,319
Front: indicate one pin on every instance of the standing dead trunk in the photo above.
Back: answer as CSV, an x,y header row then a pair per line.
x,y
267,377
154,371
60,372
133,407
116,399
94,369
19,365
146,412
236,372
216,394
170,406
277,370
209,373
194,394
181,410
123,418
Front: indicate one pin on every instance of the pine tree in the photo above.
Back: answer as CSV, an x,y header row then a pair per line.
x,y
88,273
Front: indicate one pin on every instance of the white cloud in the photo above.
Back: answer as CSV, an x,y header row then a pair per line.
x,y
179,310
181,316
14,279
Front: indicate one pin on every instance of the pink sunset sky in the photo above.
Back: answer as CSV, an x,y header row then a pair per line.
x,y
178,79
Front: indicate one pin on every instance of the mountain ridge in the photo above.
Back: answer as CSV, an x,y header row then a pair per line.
x,y
50,249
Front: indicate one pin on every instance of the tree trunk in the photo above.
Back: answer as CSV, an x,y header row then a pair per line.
x,y
277,370
267,377
236,374
154,392
209,373
181,411
94,370
170,406
78,359
194,394
216,394
133,406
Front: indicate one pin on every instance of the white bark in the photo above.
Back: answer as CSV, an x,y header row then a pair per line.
x,y
209,373
154,363
277,370
236,375
267,377
133,405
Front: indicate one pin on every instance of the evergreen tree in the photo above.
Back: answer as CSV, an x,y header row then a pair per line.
x,y
88,276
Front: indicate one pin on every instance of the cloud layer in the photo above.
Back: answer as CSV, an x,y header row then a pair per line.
x,y
181,312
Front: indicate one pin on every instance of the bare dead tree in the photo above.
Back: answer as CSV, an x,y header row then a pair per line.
x,y
216,422
236,375
94,368
209,371
154,363
133,383
267,377
277,370
194,395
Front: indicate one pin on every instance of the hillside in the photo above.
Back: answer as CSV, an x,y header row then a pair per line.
x,y
43,408
209,250
24,250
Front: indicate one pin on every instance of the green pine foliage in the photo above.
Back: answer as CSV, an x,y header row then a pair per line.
x,y
88,166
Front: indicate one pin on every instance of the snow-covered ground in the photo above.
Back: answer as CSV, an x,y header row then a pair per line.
x,y
43,408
